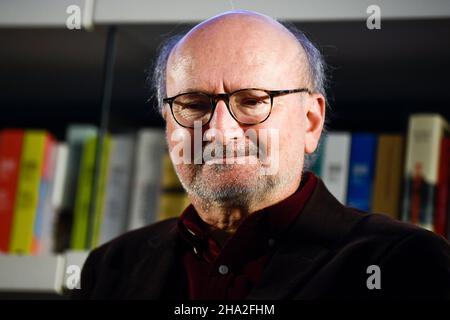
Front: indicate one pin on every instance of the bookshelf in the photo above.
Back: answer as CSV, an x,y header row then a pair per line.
x,y
53,77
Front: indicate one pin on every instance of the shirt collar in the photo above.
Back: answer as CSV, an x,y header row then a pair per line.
x,y
270,223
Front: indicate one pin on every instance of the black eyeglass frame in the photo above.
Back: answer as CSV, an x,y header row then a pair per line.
x,y
214,99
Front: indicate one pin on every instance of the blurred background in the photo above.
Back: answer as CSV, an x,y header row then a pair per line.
x,y
51,73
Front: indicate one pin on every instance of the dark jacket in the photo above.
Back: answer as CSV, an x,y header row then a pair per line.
x,y
326,254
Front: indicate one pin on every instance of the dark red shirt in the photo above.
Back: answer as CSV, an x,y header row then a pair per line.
x,y
232,271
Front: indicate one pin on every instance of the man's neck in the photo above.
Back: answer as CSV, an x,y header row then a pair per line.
x,y
223,221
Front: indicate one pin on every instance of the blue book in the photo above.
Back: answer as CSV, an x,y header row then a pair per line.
x,y
38,222
361,170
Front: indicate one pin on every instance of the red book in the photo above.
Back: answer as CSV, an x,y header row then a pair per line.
x,y
10,151
442,192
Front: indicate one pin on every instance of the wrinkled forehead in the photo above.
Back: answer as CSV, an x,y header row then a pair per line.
x,y
238,49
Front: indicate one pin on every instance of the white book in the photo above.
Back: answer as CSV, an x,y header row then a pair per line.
x,y
55,201
146,178
59,179
335,164
47,243
117,193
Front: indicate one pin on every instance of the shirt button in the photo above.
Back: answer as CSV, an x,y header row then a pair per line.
x,y
223,269
271,242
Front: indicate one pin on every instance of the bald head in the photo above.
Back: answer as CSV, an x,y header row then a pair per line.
x,y
234,43
235,26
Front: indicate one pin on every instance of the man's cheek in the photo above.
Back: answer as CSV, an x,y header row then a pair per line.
x,y
180,145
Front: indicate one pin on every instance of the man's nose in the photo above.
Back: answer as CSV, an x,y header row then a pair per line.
x,y
222,118
223,121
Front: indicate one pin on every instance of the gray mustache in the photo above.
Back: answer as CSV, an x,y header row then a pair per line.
x,y
233,149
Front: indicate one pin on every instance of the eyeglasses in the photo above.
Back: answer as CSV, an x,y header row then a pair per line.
x,y
246,106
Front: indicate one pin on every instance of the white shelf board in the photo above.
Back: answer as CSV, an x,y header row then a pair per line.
x,y
38,274
31,273
53,13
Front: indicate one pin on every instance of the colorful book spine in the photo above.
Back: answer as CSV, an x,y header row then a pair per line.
x,y
62,153
11,141
146,183
335,164
99,197
118,187
361,170
425,133
442,192
48,239
76,136
43,213
27,199
388,175
79,239
173,197
317,158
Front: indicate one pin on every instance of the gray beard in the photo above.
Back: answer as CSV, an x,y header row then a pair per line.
x,y
229,195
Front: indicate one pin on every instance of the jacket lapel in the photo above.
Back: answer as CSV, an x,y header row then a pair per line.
x,y
320,227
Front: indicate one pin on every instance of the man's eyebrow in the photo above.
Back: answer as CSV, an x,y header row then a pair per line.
x,y
190,90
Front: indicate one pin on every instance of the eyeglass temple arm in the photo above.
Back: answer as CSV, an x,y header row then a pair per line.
x,y
284,92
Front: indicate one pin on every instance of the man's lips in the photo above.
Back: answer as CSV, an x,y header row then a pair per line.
x,y
231,160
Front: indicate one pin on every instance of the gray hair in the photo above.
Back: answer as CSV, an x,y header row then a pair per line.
x,y
316,69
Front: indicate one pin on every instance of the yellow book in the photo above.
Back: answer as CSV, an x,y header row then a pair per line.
x,y
27,199
172,204
83,196
173,199
388,175
100,196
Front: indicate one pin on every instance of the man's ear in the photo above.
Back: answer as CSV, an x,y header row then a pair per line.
x,y
315,118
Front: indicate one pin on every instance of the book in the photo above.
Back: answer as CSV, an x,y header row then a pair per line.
x,y
32,164
317,158
447,233
425,132
361,170
76,135
335,164
146,182
118,187
52,205
172,204
443,190
89,206
44,214
173,197
100,194
388,175
79,240
61,154
10,153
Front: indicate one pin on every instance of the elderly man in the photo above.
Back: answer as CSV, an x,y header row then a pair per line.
x,y
259,227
